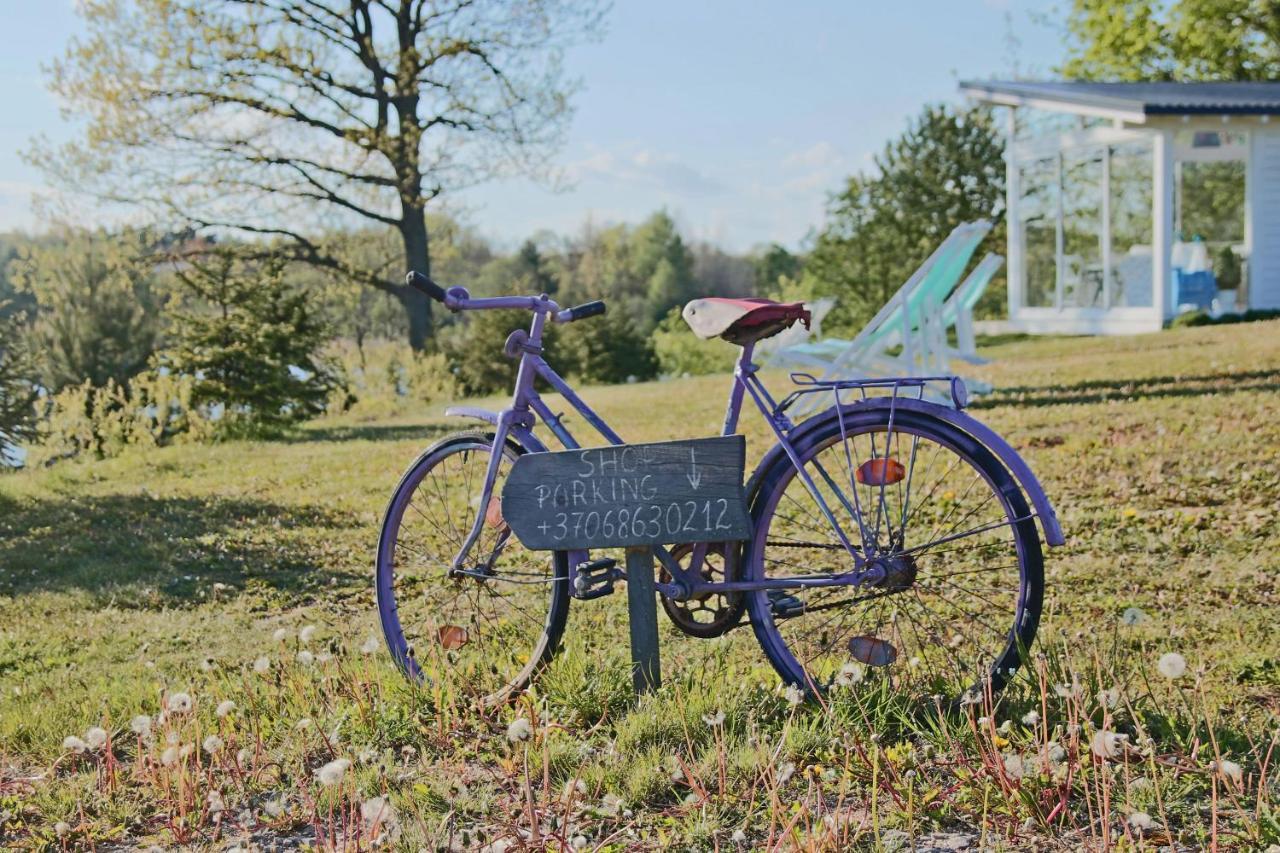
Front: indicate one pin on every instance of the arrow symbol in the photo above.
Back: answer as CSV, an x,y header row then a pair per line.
x,y
695,477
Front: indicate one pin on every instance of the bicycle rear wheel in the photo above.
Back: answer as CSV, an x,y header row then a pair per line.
x,y
488,630
960,574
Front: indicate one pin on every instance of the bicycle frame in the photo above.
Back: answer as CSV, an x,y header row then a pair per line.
x,y
527,406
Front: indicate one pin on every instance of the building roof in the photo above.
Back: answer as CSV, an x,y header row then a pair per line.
x,y
1131,101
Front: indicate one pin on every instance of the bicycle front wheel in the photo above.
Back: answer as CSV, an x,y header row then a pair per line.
x,y
953,598
488,629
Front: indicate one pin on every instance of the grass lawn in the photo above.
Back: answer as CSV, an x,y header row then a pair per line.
x,y
191,570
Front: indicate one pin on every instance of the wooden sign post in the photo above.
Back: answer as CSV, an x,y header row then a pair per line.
x,y
633,496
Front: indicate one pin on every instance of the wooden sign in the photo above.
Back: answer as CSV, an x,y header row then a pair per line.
x,y
629,495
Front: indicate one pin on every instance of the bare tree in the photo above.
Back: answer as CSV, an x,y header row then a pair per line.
x,y
289,119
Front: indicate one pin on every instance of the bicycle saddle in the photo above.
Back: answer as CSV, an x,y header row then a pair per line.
x,y
740,321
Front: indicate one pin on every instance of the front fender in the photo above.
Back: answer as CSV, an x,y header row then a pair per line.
x,y
524,437
975,428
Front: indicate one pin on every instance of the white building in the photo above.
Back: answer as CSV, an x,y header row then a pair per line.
x,y
1130,202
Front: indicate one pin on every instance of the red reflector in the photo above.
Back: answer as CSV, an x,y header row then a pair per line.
x,y
880,472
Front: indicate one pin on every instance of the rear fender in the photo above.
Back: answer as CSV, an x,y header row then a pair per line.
x,y
981,432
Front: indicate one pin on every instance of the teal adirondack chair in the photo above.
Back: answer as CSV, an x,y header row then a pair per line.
x,y
899,340
958,310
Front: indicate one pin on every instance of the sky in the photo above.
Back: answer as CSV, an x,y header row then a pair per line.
x,y
739,118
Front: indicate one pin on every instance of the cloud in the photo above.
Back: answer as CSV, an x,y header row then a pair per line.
x,y
819,155
646,168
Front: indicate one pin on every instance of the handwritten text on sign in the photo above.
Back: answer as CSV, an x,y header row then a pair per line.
x,y
632,494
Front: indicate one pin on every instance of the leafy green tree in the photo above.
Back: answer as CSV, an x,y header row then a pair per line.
x,y
97,315
18,392
1180,40
662,260
282,117
773,264
947,168
253,348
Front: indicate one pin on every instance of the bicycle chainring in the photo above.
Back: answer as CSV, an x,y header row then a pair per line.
x,y
708,614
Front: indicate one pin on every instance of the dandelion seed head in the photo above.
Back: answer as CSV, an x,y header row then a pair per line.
x,y
95,738
713,720
1228,770
262,664
331,774
73,743
1141,820
141,725
1107,744
225,707
274,808
306,658
1172,665
579,842
243,757
1031,718
280,635
850,674
370,646
307,633
785,772
1109,697
380,818
216,805
212,744
519,730
1013,766
323,658
1132,616
738,837
170,756
794,695
304,723
178,703
62,829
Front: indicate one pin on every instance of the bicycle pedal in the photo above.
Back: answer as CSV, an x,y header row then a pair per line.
x,y
595,579
785,606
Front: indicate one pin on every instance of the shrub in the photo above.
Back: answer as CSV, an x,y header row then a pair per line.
x,y
609,349
152,410
385,377
254,348
679,351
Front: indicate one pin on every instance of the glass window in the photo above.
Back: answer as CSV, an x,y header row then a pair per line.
x,y
1131,224
1082,274
1038,214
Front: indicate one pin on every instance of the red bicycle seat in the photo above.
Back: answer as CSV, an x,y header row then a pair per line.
x,y
741,320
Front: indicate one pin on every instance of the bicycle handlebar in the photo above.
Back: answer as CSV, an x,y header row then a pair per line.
x,y
420,282
458,299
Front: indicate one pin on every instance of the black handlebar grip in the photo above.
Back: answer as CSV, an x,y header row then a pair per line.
x,y
418,281
585,310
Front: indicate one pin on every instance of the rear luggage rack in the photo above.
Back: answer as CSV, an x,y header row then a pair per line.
x,y
810,384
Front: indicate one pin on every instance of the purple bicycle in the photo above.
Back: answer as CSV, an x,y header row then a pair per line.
x,y
891,534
